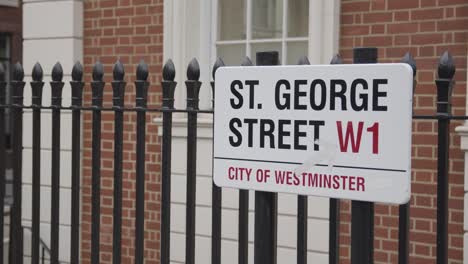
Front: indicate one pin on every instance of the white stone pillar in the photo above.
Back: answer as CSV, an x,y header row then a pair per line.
x,y
52,31
463,132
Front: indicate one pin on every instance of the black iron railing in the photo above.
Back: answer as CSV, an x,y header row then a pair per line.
x,y
266,203
43,248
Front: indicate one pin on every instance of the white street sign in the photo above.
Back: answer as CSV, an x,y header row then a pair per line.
x,y
341,131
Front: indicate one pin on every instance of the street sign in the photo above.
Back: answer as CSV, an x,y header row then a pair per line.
x,y
341,131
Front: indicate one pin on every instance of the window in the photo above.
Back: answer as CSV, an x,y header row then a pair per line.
x,y
5,53
245,27
5,60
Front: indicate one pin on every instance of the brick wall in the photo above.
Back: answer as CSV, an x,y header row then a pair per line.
x,y
130,30
426,28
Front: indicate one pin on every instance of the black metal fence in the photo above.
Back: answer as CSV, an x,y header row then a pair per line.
x,y
265,203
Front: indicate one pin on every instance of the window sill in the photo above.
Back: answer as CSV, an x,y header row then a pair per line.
x,y
179,127
463,132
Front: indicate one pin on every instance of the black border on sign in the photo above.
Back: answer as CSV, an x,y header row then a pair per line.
x,y
320,165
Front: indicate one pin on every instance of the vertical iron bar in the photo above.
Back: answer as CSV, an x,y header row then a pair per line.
x,y
362,213
2,154
56,85
16,235
168,89
193,89
216,197
97,86
334,212
36,99
445,84
243,250
77,93
302,212
403,233
334,231
302,206
118,86
404,209
141,86
266,203
442,189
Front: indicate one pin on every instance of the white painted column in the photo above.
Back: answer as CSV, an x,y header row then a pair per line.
x,y
324,28
188,32
52,31
463,132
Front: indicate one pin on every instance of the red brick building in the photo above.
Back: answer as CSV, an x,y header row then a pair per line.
x,y
129,31
156,30
426,29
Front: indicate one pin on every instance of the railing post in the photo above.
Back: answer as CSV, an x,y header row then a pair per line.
x,y
56,85
302,211
445,84
2,154
97,86
334,211
118,87
36,91
216,197
266,203
404,212
141,87
168,89
77,94
193,89
243,225
362,213
16,235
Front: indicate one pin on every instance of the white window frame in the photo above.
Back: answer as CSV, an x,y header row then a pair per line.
x,y
249,38
323,38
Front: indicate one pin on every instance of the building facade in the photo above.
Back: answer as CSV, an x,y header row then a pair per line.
x,y
156,30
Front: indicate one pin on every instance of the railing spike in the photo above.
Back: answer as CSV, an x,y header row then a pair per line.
x,y
193,70
247,61
98,71
142,71
18,72
336,59
57,72
77,72
218,63
446,69
118,71
303,61
37,72
408,59
169,71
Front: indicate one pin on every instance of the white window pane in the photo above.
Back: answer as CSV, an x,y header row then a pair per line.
x,y
258,47
298,18
296,50
232,55
231,20
267,19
